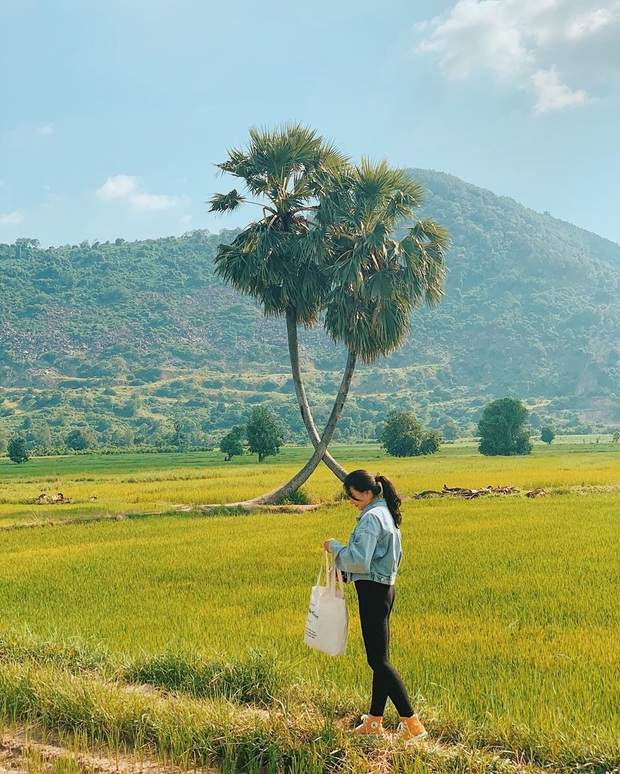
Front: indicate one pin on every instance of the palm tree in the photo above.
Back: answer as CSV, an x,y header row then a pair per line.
x,y
288,169
376,279
325,244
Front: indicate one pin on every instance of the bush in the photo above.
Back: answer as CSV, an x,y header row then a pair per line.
x,y
298,497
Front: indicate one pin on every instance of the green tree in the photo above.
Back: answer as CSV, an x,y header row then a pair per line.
x,y
450,430
274,259
547,434
18,450
264,433
178,436
503,428
121,436
40,436
77,440
616,437
232,443
403,436
325,244
431,442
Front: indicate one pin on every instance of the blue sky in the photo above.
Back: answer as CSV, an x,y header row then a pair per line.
x,y
114,112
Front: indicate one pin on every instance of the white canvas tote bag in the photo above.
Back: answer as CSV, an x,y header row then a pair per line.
x,y
328,621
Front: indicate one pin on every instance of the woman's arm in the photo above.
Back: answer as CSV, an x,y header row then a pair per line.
x,y
357,555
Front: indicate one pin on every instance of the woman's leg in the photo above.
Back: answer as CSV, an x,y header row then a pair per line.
x,y
375,605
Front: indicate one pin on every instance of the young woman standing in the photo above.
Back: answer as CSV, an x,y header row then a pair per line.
x,y
371,559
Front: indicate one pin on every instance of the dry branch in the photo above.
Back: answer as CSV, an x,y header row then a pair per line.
x,y
467,494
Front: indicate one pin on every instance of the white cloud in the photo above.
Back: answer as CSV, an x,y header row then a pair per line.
x,y
145,202
553,94
117,187
126,187
529,42
44,130
11,218
186,219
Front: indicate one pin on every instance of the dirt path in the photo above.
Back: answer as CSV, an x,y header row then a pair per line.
x,y
21,752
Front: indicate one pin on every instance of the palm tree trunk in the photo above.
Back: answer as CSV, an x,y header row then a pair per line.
x,y
302,399
308,469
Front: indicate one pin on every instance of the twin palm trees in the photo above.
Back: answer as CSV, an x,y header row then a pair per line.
x,y
324,246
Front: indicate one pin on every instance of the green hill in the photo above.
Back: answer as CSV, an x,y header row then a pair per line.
x,y
125,338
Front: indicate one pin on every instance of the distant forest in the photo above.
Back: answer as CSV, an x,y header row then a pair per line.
x,y
139,342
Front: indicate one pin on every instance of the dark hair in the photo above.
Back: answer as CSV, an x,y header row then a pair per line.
x,y
363,481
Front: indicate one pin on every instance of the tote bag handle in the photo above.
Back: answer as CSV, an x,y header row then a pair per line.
x,y
332,574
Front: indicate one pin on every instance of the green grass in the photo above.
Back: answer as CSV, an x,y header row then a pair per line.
x,y
505,627
109,485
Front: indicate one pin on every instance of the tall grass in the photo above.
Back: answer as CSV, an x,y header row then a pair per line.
x,y
505,626
139,483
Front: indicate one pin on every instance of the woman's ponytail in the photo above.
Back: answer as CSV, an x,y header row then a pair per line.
x,y
363,481
391,497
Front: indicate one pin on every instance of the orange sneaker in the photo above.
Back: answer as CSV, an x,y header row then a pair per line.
x,y
410,730
371,725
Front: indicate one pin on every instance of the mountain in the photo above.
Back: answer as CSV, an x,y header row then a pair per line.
x,y
125,337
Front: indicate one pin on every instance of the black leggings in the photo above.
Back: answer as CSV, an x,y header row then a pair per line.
x,y
375,604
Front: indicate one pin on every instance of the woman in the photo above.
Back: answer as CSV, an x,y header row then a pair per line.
x,y
371,560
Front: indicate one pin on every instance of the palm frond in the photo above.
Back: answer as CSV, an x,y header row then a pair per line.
x,y
380,280
226,202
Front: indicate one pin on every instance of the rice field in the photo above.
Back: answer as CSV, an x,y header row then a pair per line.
x,y
505,629
108,485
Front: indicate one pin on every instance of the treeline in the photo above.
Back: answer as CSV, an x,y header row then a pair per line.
x,y
187,415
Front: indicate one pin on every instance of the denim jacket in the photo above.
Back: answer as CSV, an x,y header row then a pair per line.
x,y
374,549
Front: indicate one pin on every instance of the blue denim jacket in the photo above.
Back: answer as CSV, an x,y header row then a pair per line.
x,y
374,549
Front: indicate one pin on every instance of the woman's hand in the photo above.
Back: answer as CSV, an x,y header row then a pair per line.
x,y
326,545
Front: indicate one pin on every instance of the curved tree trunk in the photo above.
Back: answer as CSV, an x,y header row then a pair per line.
x,y
308,469
302,399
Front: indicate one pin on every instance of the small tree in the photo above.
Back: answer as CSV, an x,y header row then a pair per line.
x,y
450,430
77,440
547,434
431,442
178,437
503,428
403,436
264,433
616,436
232,443
18,450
